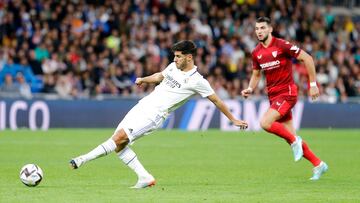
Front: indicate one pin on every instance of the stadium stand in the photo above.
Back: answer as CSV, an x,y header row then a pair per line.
x,y
96,49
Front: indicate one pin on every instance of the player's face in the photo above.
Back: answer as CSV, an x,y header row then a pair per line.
x,y
180,60
262,31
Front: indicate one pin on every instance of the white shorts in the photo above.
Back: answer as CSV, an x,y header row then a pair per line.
x,y
139,122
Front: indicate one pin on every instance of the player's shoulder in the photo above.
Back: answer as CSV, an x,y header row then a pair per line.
x,y
287,46
196,74
170,68
196,77
280,41
197,80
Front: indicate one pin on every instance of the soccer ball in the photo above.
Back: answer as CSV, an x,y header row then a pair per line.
x,y
31,175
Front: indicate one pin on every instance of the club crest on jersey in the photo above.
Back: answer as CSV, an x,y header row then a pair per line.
x,y
274,53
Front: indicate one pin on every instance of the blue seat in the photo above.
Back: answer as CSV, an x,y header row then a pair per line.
x,y
35,82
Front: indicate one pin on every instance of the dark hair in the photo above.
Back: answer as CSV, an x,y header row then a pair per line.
x,y
264,20
185,46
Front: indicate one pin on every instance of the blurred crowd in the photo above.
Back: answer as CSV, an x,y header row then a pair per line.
x,y
95,49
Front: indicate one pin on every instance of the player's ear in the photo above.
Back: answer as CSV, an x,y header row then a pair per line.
x,y
189,57
270,28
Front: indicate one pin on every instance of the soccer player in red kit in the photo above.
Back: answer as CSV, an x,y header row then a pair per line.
x,y
273,56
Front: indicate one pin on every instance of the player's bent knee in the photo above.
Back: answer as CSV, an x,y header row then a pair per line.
x,y
120,138
266,125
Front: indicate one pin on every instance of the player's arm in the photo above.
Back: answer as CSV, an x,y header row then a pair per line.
x,y
224,109
154,78
310,67
254,81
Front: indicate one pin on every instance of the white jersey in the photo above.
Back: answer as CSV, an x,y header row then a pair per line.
x,y
175,89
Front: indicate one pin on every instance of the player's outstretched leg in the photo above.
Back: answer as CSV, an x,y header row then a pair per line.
x,y
145,179
104,149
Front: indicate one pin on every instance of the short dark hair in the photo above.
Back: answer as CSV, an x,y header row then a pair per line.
x,y
185,46
264,20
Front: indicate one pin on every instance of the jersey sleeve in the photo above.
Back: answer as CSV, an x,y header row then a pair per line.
x,y
255,63
290,49
203,88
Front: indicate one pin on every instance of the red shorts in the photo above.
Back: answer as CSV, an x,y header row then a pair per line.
x,y
283,104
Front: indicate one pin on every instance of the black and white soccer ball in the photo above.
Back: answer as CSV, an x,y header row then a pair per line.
x,y
31,175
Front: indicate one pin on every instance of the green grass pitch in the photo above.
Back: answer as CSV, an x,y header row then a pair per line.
x,y
209,166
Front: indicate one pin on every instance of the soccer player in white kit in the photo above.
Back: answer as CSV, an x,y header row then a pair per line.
x,y
178,82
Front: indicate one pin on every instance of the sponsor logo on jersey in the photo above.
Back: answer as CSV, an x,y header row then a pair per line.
x,y
171,82
270,64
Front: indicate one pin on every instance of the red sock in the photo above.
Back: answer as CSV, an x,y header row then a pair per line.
x,y
309,155
279,130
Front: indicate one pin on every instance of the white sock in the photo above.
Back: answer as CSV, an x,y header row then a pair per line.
x,y
129,158
104,149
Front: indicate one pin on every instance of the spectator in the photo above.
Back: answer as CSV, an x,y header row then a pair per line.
x,y
9,87
63,88
49,84
24,88
85,38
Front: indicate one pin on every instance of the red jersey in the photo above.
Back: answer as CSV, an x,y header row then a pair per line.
x,y
275,61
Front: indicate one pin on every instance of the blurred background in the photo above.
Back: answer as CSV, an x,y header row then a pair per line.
x,y
79,50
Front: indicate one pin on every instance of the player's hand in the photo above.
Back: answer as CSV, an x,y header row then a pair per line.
x,y
247,92
314,93
241,124
138,81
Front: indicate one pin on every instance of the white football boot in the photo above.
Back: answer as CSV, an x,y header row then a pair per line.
x,y
319,170
144,182
297,148
76,162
